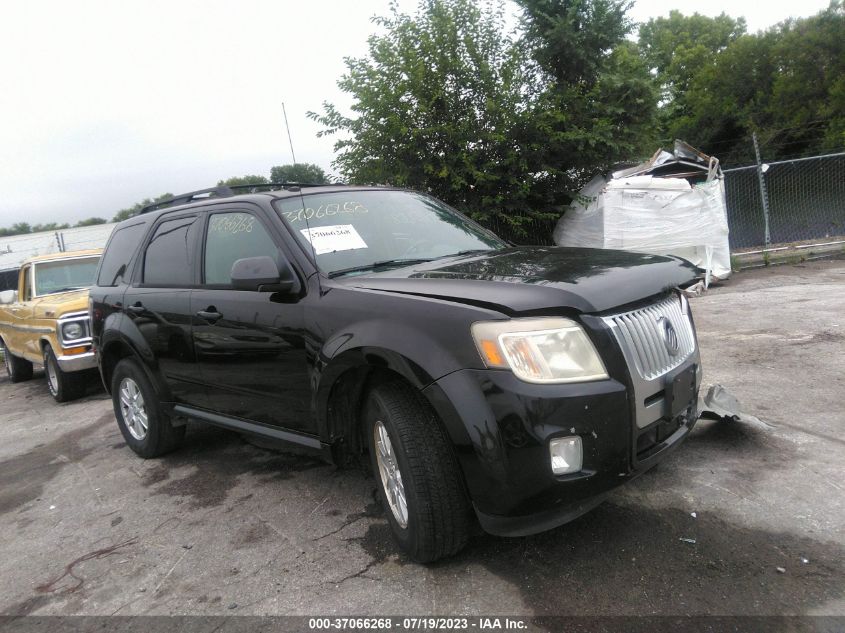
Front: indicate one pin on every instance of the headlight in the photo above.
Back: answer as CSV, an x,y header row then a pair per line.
x,y
72,331
539,350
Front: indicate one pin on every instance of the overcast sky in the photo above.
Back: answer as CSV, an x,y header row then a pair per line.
x,y
105,103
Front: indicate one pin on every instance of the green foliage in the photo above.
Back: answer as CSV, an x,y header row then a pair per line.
x,y
50,226
89,222
787,84
16,229
135,209
678,48
299,172
448,102
570,38
235,181
439,104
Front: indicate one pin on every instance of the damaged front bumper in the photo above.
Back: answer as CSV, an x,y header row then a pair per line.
x,y
502,428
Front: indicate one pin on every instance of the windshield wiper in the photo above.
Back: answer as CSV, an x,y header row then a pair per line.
x,y
65,289
380,265
471,251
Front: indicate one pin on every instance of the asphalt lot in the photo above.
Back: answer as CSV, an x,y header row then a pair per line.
x,y
223,527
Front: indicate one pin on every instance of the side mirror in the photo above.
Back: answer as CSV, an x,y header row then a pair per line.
x,y
8,296
263,274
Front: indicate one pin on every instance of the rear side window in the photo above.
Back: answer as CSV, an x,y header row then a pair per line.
x,y
119,251
169,259
234,236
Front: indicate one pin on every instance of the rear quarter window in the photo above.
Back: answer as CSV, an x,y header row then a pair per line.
x,y
122,245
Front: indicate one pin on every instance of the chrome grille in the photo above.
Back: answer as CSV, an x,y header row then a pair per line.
x,y
641,333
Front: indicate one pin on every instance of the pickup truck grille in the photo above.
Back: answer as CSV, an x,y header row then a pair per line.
x,y
656,338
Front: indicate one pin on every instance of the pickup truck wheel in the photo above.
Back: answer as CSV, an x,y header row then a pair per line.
x,y
63,386
417,473
146,429
17,369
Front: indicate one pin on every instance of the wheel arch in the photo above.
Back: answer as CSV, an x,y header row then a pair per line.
x,y
343,386
115,348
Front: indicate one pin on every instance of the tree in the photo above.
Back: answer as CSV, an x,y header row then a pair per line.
x,y
728,100
439,103
135,209
678,48
299,172
90,222
16,229
496,124
807,107
786,84
243,180
50,226
598,101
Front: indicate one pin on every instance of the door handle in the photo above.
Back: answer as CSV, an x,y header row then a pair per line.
x,y
210,314
136,308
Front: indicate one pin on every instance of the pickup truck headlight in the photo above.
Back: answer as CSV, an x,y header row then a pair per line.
x,y
546,350
73,331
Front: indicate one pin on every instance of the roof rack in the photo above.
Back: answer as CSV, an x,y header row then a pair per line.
x,y
226,191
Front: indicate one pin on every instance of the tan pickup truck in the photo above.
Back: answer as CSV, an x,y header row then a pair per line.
x,y
45,322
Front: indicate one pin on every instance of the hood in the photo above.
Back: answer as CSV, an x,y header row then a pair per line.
x,y
61,303
528,278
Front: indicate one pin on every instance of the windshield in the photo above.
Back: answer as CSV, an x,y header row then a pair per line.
x,y
65,274
360,231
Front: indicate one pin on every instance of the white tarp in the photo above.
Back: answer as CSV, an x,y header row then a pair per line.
x,y
652,214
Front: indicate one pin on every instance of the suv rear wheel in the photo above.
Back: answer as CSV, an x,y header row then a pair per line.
x,y
146,429
63,386
417,474
17,369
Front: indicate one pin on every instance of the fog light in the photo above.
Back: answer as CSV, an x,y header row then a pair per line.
x,y
567,454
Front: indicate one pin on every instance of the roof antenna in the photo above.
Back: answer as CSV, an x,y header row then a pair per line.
x,y
302,199
285,113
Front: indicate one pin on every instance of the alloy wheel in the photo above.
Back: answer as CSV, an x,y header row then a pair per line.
x,y
391,476
133,409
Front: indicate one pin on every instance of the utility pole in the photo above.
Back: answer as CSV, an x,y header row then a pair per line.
x,y
764,194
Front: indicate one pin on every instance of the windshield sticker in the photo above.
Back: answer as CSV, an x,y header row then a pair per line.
x,y
325,211
329,239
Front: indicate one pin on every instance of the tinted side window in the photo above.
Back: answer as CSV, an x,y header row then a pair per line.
x,y
169,259
234,236
119,251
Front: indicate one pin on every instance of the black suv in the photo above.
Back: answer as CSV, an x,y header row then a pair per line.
x,y
515,384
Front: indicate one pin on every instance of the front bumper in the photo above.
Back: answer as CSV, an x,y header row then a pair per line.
x,y
77,362
501,428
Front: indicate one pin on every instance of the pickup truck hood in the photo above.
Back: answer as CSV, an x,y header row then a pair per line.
x,y
529,278
61,303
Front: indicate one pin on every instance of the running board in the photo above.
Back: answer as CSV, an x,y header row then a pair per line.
x,y
237,424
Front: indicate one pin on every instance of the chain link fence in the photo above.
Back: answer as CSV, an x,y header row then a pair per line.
x,y
792,201
804,201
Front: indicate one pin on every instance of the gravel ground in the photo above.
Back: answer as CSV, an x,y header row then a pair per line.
x,y
223,527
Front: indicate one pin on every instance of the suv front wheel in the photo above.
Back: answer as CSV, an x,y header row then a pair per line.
x,y
417,474
146,429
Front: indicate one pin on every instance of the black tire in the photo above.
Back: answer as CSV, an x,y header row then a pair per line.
x,y
17,369
438,511
160,436
63,386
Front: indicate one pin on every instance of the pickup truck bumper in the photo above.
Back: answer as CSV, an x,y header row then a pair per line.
x,y
77,362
